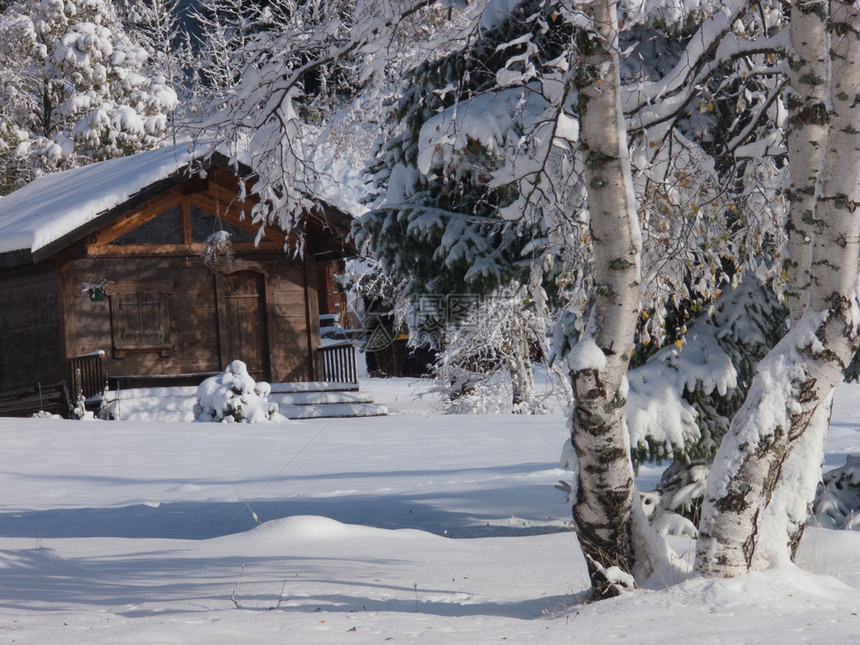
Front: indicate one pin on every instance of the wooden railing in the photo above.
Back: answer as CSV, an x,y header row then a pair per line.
x,y
86,373
337,363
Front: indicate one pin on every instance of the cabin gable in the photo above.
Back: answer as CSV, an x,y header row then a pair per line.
x,y
182,219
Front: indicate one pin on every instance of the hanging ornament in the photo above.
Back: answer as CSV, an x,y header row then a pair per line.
x,y
217,252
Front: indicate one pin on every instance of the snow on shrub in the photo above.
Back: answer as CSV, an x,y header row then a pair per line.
x,y
234,396
674,506
42,414
837,500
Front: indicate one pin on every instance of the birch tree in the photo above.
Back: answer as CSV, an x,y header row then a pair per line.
x,y
807,136
797,378
604,508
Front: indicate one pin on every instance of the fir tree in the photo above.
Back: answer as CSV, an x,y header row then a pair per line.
x,y
75,89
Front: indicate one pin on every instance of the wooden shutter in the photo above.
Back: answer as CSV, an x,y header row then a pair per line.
x,y
127,320
153,307
140,319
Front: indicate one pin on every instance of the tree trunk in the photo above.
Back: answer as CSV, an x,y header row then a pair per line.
x,y
520,367
787,512
807,142
598,363
798,376
786,515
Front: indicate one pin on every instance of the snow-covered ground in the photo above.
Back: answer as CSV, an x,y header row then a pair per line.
x,y
417,527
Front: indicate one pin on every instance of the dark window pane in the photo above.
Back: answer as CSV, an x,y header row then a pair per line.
x,y
162,229
203,225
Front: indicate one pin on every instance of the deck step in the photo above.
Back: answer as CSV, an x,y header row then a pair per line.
x,y
333,410
314,386
320,398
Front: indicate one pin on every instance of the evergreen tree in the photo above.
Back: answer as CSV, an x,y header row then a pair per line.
x,y
75,90
471,204
442,222
160,26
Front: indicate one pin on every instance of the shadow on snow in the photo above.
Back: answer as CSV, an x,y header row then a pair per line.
x,y
430,512
190,585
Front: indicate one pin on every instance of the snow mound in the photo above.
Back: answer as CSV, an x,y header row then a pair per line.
x,y
233,396
272,536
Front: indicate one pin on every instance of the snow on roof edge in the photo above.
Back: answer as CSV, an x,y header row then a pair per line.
x,y
57,204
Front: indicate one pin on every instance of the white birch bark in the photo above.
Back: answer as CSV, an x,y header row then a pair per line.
x,y
799,375
807,141
789,507
598,364
809,61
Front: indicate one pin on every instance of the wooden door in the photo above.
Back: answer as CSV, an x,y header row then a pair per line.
x,y
242,321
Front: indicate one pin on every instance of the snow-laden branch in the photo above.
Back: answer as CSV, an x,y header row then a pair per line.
x,y
701,45
644,114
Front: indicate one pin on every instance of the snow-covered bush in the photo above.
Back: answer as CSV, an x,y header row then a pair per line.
x,y
485,362
233,396
43,414
837,500
674,506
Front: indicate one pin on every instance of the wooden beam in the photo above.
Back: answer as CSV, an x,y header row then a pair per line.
x,y
185,218
223,331
106,217
270,328
135,218
126,288
67,312
229,212
230,196
127,250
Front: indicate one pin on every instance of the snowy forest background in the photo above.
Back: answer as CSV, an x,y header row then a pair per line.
x,y
653,200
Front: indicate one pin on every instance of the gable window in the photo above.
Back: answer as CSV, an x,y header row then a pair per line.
x,y
140,319
203,225
165,228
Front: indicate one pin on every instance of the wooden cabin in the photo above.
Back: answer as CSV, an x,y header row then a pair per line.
x,y
107,261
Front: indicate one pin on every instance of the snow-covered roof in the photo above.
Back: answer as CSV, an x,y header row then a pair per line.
x,y
55,205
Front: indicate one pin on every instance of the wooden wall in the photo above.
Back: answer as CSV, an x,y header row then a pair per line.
x,y
193,313
30,328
